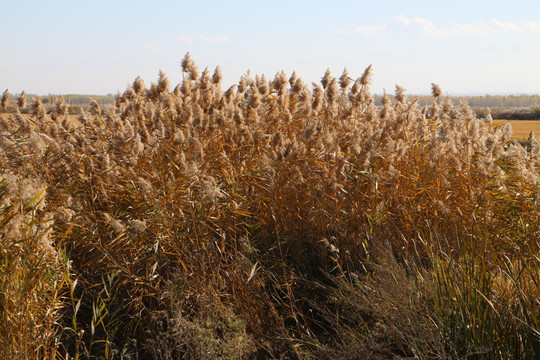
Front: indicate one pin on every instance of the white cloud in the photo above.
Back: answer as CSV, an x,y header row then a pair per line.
x,y
481,28
149,46
402,19
506,27
495,26
341,31
220,39
428,28
184,38
533,27
371,29
202,37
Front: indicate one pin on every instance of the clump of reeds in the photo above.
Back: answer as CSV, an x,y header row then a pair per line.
x,y
30,271
279,219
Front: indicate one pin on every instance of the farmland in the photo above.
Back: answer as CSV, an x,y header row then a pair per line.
x,y
270,220
521,128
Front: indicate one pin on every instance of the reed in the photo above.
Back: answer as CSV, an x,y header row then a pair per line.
x,y
271,219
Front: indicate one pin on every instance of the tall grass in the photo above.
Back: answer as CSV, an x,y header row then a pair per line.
x,y
272,219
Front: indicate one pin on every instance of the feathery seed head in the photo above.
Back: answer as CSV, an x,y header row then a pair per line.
x,y
128,95
435,90
475,129
318,96
385,99
61,107
37,109
488,119
145,186
138,226
238,117
325,80
138,86
21,101
293,79
466,110
205,81
305,95
448,106
229,94
332,92
531,138
138,145
280,81
365,79
217,77
364,96
434,111
176,90
38,142
95,109
356,87
116,224
211,189
187,86
188,66
186,62
242,84
506,132
163,85
400,94
254,99
344,79
298,86
5,96
283,98
263,85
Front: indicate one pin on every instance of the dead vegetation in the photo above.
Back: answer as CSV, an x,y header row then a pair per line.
x,y
271,220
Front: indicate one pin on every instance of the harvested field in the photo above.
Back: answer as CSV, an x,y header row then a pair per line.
x,y
521,128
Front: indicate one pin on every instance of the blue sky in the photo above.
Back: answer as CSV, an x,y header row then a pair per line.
x,y
100,47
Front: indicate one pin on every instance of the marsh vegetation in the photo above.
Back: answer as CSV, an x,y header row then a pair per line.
x,y
269,220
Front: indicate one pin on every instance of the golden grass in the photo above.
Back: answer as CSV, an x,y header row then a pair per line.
x,y
270,220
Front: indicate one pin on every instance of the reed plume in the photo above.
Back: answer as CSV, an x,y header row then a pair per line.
x,y
21,100
4,100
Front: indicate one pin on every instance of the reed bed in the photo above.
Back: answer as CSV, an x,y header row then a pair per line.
x,y
270,220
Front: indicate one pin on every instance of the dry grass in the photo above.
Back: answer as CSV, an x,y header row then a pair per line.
x,y
270,220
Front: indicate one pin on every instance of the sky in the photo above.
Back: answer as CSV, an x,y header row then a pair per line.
x,y
100,47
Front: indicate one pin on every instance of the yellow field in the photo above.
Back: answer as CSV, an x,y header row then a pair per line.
x,y
72,118
521,128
